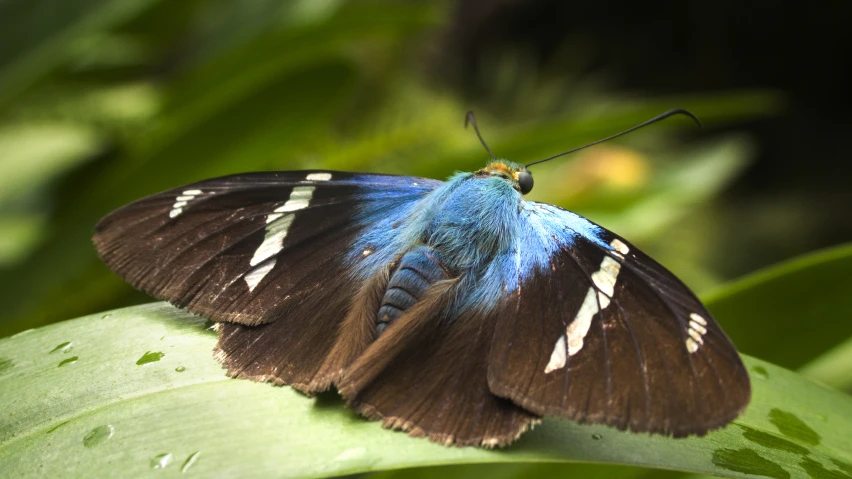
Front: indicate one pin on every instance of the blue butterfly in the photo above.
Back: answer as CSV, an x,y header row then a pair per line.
x,y
454,310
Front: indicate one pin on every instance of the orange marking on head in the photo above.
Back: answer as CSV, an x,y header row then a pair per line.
x,y
500,167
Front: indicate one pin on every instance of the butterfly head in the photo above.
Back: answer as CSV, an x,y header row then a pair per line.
x,y
515,174
519,176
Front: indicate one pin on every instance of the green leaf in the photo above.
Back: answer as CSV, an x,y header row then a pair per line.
x,y
128,392
791,313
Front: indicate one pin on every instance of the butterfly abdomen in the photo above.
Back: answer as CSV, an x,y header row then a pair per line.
x,y
416,271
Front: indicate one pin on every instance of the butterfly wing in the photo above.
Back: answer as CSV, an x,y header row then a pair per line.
x,y
265,253
601,333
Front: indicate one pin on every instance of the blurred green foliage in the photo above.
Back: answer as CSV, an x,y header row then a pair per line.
x,y
105,101
122,98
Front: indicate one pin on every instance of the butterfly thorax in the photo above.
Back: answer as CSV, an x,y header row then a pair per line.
x,y
471,220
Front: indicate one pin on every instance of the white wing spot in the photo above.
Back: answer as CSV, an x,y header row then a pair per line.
x,y
701,329
696,336
272,217
620,246
319,177
254,276
367,252
273,242
277,226
691,345
696,330
183,200
557,358
579,328
603,299
293,205
300,197
597,299
605,277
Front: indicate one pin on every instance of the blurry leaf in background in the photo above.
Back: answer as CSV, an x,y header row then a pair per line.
x,y
791,313
108,109
20,232
35,36
171,93
273,127
833,368
250,107
34,155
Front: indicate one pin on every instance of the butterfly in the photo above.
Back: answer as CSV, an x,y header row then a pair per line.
x,y
454,310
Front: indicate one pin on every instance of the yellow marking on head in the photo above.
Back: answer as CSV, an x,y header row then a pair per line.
x,y
499,166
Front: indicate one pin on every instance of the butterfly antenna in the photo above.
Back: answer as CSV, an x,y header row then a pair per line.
x,y
663,116
470,118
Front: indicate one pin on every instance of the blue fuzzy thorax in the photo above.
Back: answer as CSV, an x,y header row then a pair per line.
x,y
482,228
469,219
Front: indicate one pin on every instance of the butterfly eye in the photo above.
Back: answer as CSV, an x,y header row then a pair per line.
x,y
525,181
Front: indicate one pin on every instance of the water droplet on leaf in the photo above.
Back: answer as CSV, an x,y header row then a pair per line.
x,y
64,347
71,360
160,461
150,357
190,461
180,369
98,435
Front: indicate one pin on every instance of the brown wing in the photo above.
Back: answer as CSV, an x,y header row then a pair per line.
x,y
608,336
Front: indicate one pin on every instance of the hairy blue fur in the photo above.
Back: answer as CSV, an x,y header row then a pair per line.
x,y
484,229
